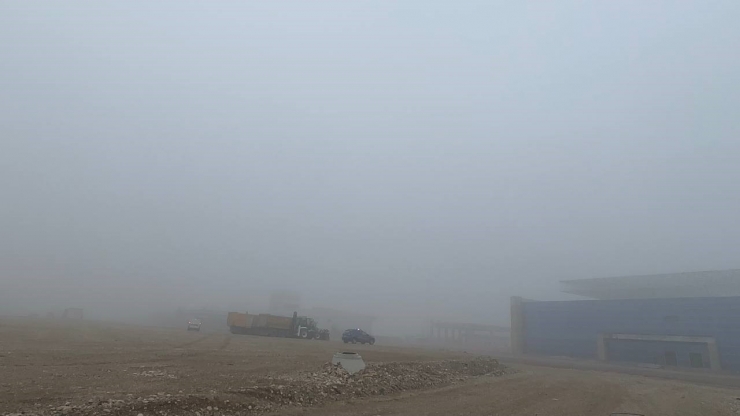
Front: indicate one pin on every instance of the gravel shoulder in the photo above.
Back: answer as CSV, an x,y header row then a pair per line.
x,y
549,392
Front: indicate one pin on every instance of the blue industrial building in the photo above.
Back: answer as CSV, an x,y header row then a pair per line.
x,y
638,319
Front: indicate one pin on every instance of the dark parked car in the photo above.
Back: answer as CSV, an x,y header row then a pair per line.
x,y
357,335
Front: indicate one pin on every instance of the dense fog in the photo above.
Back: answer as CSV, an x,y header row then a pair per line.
x,y
408,160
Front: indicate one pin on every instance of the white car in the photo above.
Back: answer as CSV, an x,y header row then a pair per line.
x,y
194,325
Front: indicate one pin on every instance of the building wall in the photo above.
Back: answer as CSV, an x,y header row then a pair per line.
x,y
571,328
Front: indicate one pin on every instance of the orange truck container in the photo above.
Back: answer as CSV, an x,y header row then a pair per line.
x,y
240,320
263,324
280,322
275,326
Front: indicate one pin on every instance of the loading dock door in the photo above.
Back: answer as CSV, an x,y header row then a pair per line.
x,y
697,352
652,352
697,361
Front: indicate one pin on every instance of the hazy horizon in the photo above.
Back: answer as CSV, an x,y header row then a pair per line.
x,y
413,158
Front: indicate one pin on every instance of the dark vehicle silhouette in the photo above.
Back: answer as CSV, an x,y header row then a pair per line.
x,y
194,325
357,335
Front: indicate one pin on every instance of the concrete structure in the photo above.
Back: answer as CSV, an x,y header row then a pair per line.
x,y
473,337
350,361
517,325
664,320
463,332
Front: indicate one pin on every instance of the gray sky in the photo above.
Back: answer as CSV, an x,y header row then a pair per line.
x,y
435,157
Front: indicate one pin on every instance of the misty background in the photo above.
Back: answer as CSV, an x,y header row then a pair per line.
x,y
423,159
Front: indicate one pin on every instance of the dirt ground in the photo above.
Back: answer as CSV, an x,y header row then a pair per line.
x,y
49,367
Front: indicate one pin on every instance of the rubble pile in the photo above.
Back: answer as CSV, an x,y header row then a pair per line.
x,y
158,404
331,383
154,373
379,379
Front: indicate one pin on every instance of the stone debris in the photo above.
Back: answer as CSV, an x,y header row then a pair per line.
x,y
154,373
330,383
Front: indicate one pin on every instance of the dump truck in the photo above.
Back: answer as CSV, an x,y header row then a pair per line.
x,y
275,326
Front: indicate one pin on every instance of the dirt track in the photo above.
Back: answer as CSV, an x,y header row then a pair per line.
x,y
44,365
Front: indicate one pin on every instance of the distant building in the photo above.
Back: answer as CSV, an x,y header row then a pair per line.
x,y
682,320
72,313
470,336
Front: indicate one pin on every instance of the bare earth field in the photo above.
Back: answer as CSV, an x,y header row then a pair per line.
x,y
54,367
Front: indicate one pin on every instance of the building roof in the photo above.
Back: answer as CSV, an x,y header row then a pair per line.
x,y
470,326
671,285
